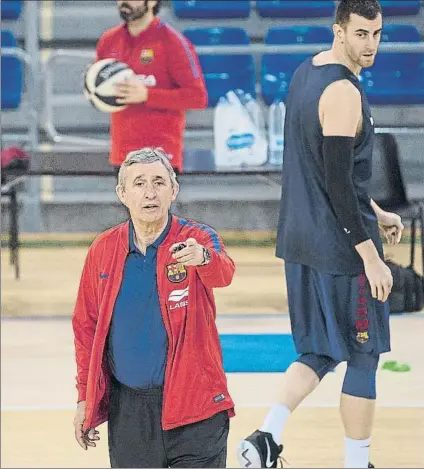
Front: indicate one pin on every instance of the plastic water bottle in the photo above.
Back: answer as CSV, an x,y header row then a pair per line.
x,y
276,117
254,110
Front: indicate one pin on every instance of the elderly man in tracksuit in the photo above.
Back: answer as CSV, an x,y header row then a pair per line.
x,y
147,348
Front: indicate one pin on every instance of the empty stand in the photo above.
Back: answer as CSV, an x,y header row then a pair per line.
x,y
211,8
224,72
299,35
11,9
395,78
277,69
294,8
11,75
400,33
400,7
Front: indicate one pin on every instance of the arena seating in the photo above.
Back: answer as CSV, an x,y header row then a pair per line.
x,y
299,35
11,75
400,33
395,78
11,9
400,7
11,67
277,69
212,8
224,72
295,8
279,8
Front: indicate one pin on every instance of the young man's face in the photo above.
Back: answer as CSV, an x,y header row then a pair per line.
x,y
131,10
147,191
361,38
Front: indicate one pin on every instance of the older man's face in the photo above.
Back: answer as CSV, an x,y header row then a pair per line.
x,y
147,192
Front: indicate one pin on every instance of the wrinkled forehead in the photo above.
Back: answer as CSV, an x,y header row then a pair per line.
x,y
357,22
147,171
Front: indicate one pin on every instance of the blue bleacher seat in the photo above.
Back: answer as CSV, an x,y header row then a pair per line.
x,y
276,74
299,35
11,9
215,36
295,8
277,69
11,75
400,33
395,78
224,72
211,8
400,7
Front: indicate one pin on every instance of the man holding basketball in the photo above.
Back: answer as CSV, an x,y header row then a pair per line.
x,y
168,82
147,348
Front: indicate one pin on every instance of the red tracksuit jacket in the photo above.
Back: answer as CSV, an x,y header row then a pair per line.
x,y
195,385
168,65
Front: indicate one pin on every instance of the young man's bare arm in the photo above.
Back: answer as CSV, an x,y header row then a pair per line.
x,y
340,114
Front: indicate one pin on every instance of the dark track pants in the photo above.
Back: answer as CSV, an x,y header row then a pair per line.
x,y
136,438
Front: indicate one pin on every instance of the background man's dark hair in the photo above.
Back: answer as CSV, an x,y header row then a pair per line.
x,y
156,8
368,9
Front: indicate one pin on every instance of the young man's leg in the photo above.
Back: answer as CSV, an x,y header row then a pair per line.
x,y
262,448
357,405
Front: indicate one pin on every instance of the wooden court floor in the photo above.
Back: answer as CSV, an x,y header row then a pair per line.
x,y
38,401
37,373
50,277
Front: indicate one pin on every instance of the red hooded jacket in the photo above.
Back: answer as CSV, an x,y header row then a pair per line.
x,y
195,385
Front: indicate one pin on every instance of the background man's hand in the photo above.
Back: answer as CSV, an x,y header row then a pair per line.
x,y
131,91
89,437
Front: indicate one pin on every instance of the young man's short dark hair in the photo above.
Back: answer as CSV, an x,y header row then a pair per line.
x,y
368,9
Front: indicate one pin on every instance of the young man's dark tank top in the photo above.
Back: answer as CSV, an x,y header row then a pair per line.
x,y
309,232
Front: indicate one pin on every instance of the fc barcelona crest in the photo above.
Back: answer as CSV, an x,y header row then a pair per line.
x,y
362,337
147,56
176,272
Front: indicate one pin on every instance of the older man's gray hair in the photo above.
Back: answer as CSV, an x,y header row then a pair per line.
x,y
145,156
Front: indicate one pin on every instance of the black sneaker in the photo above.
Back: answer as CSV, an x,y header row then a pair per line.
x,y
258,450
370,466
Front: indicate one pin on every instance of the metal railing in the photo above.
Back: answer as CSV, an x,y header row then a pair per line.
x,y
254,49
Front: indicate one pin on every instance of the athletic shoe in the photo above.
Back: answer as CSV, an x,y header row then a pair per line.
x,y
258,450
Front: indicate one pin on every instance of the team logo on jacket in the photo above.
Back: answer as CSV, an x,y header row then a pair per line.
x,y
176,272
147,56
179,298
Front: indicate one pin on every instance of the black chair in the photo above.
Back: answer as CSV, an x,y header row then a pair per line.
x,y
9,191
389,191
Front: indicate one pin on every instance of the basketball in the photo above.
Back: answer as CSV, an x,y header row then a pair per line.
x,y
99,84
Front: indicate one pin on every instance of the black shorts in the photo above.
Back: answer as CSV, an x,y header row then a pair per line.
x,y
136,437
335,315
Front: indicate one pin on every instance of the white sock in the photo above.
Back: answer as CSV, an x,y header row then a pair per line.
x,y
357,453
275,421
